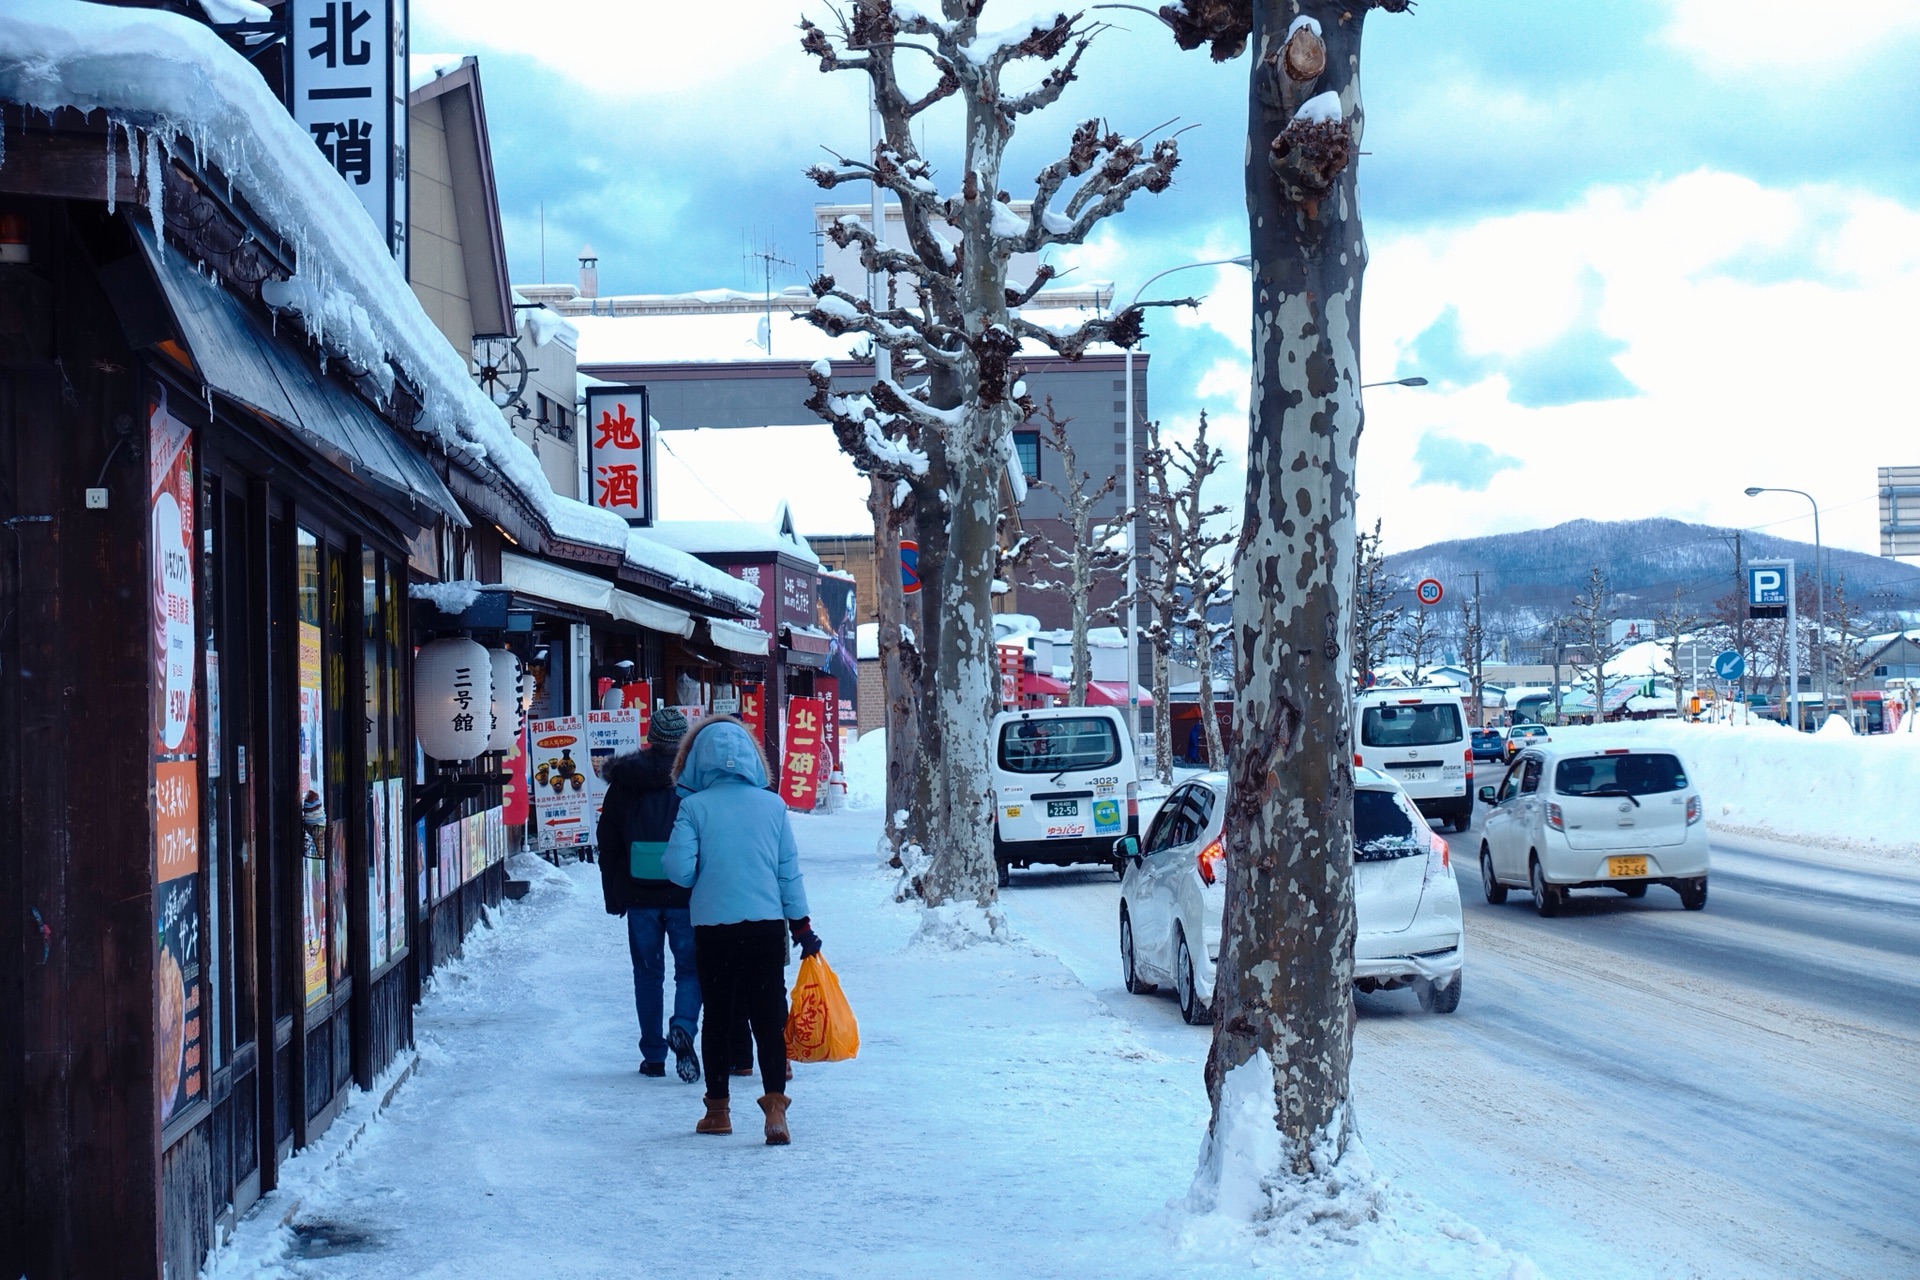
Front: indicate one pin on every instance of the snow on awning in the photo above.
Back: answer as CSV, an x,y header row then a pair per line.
x,y
239,358
543,581
738,637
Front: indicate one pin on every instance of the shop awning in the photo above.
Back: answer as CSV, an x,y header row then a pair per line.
x,y
651,614
1113,693
738,637
585,593
806,646
1032,682
241,359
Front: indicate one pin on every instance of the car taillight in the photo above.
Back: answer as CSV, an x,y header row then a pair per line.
x,y
1133,800
1469,755
1693,810
1210,859
1358,763
1446,856
1555,818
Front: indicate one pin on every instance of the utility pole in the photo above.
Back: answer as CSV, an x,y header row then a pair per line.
x,y
1474,646
1559,652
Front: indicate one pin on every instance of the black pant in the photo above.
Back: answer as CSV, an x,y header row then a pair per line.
x,y
743,977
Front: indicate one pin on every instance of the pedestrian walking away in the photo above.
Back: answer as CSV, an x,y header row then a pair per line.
x,y
734,848
636,821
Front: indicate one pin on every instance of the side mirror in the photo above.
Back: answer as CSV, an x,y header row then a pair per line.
x,y
1486,796
1126,847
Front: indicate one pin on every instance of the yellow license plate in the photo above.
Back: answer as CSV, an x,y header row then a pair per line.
x,y
1626,866
1013,811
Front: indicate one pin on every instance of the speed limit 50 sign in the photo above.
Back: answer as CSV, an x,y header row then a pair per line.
x,y
1428,591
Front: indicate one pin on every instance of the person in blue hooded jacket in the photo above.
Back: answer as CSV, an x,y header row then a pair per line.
x,y
733,847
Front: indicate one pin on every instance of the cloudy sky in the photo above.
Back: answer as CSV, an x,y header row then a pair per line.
x,y
1649,252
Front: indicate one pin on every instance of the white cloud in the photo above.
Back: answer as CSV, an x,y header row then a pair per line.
x,y
1767,329
1805,41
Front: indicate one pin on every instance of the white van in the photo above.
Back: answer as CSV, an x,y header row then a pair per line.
x,y
1065,787
1418,737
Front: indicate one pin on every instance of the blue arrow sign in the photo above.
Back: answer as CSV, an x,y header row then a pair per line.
x,y
1729,665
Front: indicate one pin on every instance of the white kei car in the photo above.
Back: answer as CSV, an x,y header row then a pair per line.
x,y
1405,899
1596,818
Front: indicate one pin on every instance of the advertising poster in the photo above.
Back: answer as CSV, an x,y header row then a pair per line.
x,y
446,874
379,869
396,796
557,757
313,916
800,764
837,614
609,734
639,696
828,691
337,897
174,754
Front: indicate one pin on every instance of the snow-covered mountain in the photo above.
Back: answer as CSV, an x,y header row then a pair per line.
x,y
1645,562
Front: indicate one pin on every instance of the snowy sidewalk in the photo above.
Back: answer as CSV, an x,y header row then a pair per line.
x,y
998,1120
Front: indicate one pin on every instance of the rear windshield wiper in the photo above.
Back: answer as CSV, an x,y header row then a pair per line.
x,y
1615,791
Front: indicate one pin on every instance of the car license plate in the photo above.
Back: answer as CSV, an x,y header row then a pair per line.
x,y
1412,775
1626,866
1063,808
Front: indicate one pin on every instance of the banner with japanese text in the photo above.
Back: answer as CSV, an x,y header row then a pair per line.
x,y
609,734
175,779
753,711
517,795
350,82
805,748
557,756
620,446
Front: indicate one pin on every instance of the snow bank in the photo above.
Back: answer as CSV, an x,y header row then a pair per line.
x,y
865,766
1832,789
955,926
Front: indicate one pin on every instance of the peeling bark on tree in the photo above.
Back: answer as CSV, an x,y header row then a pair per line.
x,y
1282,994
897,668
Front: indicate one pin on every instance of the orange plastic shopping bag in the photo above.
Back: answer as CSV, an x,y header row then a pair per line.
x,y
820,1025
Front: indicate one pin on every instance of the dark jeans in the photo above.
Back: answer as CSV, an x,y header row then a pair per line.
x,y
650,930
743,975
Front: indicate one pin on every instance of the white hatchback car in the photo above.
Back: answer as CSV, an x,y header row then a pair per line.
x,y
1596,818
1407,904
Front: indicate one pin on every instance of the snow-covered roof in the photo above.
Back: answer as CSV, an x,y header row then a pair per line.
x,y
742,473
175,81
729,537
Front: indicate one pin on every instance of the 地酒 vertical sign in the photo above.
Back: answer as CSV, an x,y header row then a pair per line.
x,y
620,452
349,92
799,770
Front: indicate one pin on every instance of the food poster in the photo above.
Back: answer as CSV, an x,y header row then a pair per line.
x,y
175,778
558,757
805,748
609,734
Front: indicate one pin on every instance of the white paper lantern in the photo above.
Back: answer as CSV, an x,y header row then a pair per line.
x,y
509,701
452,698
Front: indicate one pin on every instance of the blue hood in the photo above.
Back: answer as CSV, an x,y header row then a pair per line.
x,y
722,752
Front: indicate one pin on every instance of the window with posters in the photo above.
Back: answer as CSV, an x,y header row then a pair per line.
x,y
312,770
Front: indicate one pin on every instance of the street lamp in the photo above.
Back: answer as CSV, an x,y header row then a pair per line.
x,y
1133,515
1819,595
1396,382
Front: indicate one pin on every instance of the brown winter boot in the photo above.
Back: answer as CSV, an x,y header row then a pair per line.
x,y
717,1119
775,1105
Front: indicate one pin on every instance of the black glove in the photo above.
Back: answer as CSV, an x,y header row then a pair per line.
x,y
803,934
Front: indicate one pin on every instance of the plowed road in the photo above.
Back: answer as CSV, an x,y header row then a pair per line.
x,y
1632,1089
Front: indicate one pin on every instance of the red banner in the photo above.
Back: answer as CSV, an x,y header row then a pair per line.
x,y
1012,660
753,711
800,769
517,795
639,697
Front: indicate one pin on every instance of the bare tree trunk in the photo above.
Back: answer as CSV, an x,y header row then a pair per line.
x,y
1283,1041
1209,714
1162,717
902,717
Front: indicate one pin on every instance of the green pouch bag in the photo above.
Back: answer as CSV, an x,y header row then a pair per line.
x,y
646,860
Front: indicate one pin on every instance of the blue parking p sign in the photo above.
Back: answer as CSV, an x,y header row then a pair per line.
x,y
1767,586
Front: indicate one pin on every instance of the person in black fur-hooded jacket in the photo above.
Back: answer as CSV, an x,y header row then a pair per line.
x,y
635,822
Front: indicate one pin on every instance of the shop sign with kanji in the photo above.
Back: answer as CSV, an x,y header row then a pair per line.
x,y
800,770
620,445
348,96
